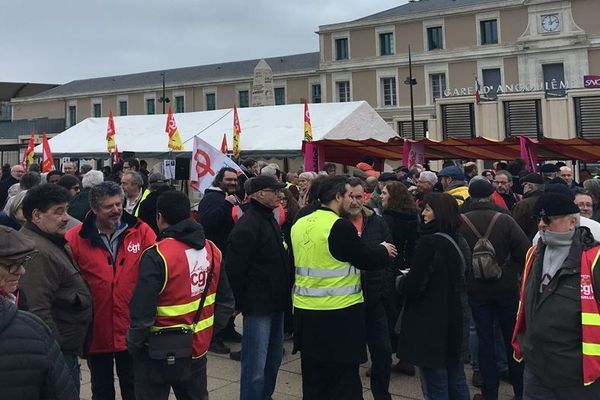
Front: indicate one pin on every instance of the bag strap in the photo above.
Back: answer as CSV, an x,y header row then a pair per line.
x,y
208,282
460,253
491,226
471,226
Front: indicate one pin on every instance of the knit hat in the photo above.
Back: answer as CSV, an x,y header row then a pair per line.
x,y
453,172
480,188
14,245
554,204
532,178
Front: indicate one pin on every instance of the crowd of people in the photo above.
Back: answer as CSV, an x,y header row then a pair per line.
x,y
412,269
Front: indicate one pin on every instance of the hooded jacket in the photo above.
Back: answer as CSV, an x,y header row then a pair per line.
x,y
31,364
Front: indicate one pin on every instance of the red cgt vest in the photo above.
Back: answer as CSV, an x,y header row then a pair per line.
x,y
186,273
590,315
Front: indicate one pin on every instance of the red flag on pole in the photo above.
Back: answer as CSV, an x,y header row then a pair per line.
x,y
237,130
110,133
224,149
47,160
175,142
28,154
307,125
116,156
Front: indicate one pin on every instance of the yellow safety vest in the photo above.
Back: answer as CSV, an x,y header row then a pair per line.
x,y
136,212
322,281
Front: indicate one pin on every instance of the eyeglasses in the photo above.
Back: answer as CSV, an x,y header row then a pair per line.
x,y
501,183
14,267
547,220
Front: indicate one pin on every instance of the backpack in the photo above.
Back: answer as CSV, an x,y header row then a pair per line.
x,y
485,264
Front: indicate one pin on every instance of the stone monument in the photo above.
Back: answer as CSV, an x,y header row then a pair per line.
x,y
262,85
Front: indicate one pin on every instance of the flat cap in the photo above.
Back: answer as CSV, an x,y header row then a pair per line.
x,y
452,172
548,168
532,178
387,176
554,204
14,245
262,182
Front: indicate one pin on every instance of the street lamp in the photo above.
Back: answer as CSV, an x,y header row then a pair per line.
x,y
411,82
163,99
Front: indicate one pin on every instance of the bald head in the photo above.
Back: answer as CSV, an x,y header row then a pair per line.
x,y
566,174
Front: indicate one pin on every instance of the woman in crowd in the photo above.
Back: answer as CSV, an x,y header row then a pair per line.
x,y
489,174
593,186
304,181
433,327
14,218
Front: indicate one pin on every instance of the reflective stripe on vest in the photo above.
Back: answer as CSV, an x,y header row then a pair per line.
x,y
322,282
136,211
186,273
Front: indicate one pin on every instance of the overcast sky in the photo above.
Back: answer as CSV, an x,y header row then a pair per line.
x,y
59,41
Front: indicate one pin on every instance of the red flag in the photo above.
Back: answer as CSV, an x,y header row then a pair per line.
x,y
175,142
28,154
110,133
307,125
224,149
116,156
47,160
237,129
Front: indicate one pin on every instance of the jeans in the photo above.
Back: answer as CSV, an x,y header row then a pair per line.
x,y
444,383
380,348
262,351
72,361
101,373
322,380
502,363
484,315
148,389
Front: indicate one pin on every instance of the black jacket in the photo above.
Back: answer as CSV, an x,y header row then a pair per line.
x,y
258,264
152,278
510,244
79,206
4,186
31,364
403,226
147,209
215,217
433,330
523,213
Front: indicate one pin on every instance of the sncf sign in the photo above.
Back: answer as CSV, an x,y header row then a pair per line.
x,y
591,81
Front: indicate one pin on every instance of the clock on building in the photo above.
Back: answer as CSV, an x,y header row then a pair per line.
x,y
550,23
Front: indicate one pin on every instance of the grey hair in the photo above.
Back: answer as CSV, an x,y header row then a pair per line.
x,y
507,174
16,202
593,186
102,191
431,177
309,176
136,178
92,178
269,170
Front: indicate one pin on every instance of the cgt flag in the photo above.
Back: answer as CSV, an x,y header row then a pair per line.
x,y
224,148
237,130
28,154
308,136
206,162
47,160
110,133
116,155
175,142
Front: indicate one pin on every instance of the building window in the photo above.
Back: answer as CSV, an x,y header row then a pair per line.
x,y
554,79
316,93
434,38
179,104
211,103
341,49
587,122
458,121
5,111
492,79
386,44
342,89
97,110
489,31
244,98
72,115
437,82
150,107
405,129
388,92
279,96
123,108
523,117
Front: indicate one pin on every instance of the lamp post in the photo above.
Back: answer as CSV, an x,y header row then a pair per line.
x,y
163,99
411,82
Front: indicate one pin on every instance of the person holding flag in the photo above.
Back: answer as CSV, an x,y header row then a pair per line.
x,y
175,142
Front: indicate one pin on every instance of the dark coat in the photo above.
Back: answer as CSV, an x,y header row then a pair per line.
x,y
258,264
4,186
31,364
215,217
79,206
147,209
403,227
523,213
510,244
433,329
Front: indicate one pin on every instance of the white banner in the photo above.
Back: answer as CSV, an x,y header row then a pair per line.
x,y
206,163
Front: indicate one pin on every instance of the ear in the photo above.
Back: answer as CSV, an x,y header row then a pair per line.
x,y
36,216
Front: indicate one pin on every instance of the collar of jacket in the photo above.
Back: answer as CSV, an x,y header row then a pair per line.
x,y
58,240
533,193
89,231
428,229
261,207
456,184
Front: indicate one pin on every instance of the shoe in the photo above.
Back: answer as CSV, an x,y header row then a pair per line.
x,y
405,368
478,396
236,355
217,346
231,336
476,379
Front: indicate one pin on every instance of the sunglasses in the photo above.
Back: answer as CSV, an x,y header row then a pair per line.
x,y
547,220
14,267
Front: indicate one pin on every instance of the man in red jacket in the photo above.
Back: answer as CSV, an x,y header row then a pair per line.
x,y
107,246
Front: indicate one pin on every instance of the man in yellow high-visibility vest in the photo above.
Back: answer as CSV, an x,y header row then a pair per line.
x,y
328,299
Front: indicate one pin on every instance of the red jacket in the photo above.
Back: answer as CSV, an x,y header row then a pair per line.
x,y
111,284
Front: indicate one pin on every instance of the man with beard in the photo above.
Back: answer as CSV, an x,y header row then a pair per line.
x,y
504,196
53,285
328,300
107,247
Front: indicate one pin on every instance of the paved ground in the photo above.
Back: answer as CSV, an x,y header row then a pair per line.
x,y
224,380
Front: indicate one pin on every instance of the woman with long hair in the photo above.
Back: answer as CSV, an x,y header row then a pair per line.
x,y
433,327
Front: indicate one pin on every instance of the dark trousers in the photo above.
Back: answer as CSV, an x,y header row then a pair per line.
x,y
484,314
380,348
535,390
146,388
330,381
103,381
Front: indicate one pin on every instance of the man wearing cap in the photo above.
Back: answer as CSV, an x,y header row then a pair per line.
x,y
548,172
259,270
158,184
557,334
494,299
453,183
523,211
31,364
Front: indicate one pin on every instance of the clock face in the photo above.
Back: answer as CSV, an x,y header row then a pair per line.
x,y
550,23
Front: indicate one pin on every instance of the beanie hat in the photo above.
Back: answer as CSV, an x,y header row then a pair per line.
x,y
480,188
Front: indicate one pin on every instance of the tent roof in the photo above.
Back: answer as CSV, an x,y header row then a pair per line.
x,y
274,130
